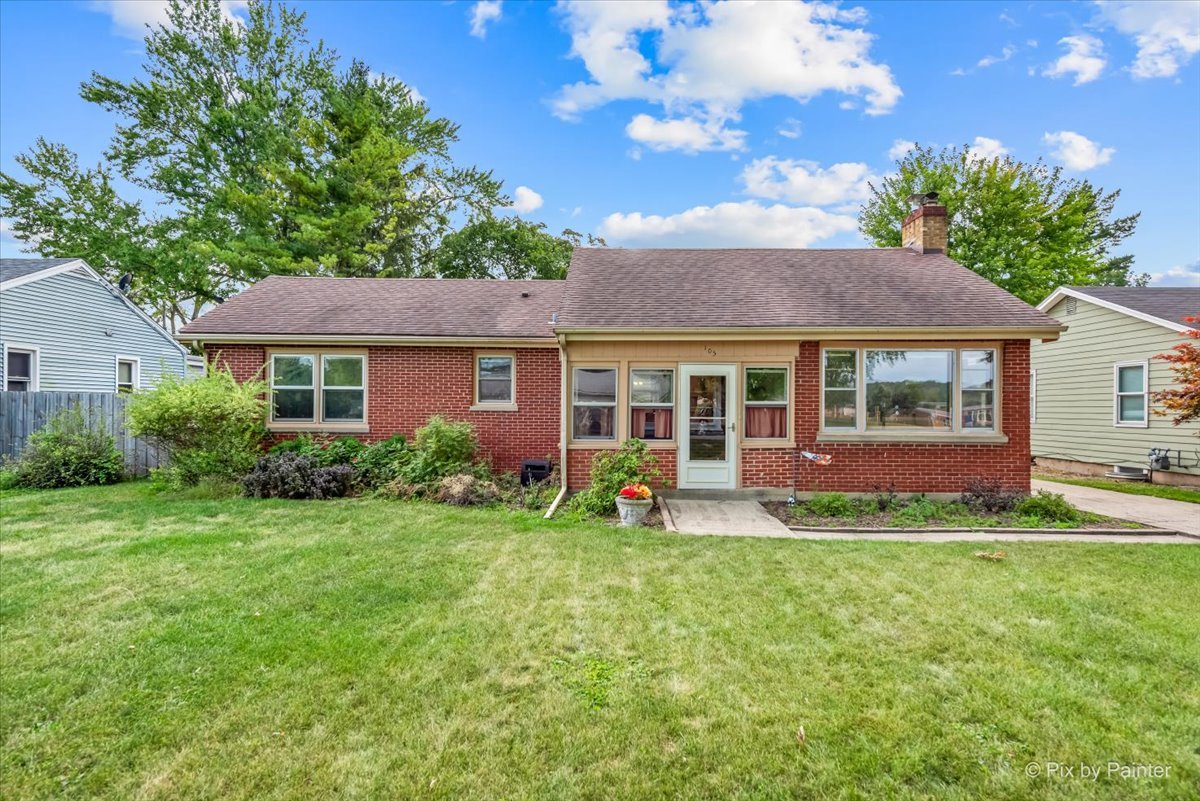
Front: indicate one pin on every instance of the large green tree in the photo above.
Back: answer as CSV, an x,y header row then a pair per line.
x,y
508,247
1023,226
243,151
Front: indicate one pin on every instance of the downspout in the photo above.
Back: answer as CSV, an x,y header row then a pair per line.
x,y
562,425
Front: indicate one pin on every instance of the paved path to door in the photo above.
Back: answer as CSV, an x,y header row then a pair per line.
x,y
729,518
1157,512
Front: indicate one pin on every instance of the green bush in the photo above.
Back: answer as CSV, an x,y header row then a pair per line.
x,y
301,445
211,427
831,504
442,448
343,450
918,511
379,463
69,451
1049,507
612,470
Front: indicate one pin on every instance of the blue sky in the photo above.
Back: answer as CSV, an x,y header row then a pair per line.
x,y
744,124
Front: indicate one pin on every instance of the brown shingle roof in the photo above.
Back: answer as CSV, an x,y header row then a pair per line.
x,y
1170,303
663,289
401,307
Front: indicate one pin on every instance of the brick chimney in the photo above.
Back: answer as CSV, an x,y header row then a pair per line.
x,y
924,229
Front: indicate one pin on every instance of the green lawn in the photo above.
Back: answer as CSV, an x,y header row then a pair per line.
x,y
1130,487
176,649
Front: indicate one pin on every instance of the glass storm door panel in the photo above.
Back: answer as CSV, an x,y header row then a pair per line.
x,y
708,447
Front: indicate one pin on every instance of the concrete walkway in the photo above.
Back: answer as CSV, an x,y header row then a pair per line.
x,y
1157,512
727,518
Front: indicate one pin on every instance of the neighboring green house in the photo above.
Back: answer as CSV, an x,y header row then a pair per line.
x,y
1092,408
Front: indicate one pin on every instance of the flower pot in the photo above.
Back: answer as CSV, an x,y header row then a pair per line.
x,y
633,512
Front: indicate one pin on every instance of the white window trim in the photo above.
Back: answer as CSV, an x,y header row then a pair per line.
x,y
35,366
509,405
1033,396
1145,393
956,428
788,393
362,360
136,373
671,405
616,403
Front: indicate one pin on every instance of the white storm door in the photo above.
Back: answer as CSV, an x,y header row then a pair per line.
x,y
708,436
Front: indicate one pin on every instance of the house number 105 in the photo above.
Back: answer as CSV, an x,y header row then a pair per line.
x,y
710,351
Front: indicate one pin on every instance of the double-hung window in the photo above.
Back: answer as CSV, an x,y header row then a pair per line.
x,y
494,380
318,388
127,375
594,403
766,403
1130,389
651,403
909,390
20,370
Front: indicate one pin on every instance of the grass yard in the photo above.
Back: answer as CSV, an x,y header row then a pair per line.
x,y
1130,487
158,648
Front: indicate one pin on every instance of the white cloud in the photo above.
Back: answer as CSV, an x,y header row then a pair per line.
x,y
1076,151
1187,275
689,134
900,148
1167,33
484,13
131,17
798,181
703,62
1084,59
745,224
986,149
790,129
1008,52
1031,43
526,200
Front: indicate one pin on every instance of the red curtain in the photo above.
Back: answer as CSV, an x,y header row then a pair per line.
x,y
652,423
766,422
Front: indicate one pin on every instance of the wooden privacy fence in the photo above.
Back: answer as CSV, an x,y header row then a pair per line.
x,y
22,413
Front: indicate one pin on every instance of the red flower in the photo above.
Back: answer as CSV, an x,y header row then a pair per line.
x,y
630,493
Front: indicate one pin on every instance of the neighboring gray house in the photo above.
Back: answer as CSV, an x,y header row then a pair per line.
x,y
1091,391
64,328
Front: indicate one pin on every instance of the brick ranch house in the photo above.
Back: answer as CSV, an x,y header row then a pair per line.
x,y
907,368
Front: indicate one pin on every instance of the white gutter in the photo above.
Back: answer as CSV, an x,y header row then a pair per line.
x,y
562,425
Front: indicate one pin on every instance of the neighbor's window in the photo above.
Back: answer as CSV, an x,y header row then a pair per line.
x,y
494,379
766,403
651,403
1131,390
343,398
841,389
909,390
978,385
126,375
594,402
20,370
293,388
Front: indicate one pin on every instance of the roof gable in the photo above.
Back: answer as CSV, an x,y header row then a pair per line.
x,y
1165,306
15,272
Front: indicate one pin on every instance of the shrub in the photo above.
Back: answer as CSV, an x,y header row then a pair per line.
x,y
343,450
831,504
632,463
989,495
69,451
442,448
919,510
301,444
885,499
465,489
380,462
211,427
1049,507
8,477
297,476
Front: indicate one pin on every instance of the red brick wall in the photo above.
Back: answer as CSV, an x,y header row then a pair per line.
x,y
407,385
861,467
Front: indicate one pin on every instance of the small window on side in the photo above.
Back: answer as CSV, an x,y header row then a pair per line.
x,y
20,370
494,379
126,376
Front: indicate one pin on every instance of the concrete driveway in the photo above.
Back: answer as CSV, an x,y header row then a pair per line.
x,y
1158,512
